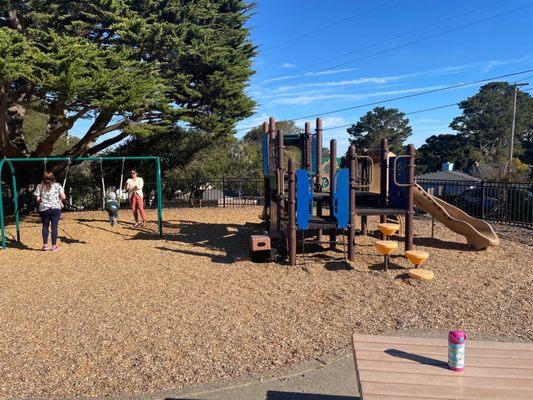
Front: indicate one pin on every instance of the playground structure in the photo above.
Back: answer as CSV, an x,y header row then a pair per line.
x,y
9,162
375,182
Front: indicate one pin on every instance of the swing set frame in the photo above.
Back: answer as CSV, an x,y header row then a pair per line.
x,y
9,162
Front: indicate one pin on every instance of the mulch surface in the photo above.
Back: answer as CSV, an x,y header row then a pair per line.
x,y
123,311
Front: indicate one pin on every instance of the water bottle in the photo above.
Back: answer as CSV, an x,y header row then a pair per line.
x,y
456,350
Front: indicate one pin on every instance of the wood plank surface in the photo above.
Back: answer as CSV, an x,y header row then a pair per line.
x,y
415,368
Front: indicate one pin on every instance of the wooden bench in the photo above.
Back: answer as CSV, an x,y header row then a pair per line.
x,y
389,367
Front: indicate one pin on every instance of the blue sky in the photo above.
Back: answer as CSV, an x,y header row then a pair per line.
x,y
348,61
316,56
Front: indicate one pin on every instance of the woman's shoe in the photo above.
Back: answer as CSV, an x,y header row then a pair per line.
x,y
45,247
142,224
55,248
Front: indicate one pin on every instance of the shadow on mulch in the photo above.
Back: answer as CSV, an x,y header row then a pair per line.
x,y
441,244
215,258
13,244
381,267
338,266
71,240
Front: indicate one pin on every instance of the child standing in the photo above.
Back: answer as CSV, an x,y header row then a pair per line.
x,y
113,207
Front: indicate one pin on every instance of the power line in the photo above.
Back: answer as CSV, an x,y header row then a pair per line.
x,y
458,85
407,33
434,35
408,113
414,112
340,21
405,44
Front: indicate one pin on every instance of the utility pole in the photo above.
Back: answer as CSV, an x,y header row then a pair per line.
x,y
516,85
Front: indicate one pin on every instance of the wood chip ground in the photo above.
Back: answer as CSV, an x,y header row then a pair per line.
x,y
122,311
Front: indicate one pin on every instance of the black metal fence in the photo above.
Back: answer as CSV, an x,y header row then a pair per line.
x,y
504,202
218,192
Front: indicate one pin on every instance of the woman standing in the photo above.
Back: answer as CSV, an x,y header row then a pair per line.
x,y
134,186
49,195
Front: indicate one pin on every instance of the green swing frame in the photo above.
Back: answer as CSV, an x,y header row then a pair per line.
x,y
9,162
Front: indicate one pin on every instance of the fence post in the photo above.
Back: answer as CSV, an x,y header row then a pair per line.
x,y
482,199
223,192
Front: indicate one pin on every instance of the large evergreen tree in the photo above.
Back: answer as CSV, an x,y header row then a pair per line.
x,y
486,121
131,67
439,149
380,123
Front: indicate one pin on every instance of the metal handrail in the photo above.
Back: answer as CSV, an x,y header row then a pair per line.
x,y
395,170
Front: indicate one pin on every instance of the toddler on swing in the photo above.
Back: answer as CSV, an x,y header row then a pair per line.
x,y
113,207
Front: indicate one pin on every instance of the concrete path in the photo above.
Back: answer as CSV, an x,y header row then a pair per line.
x,y
329,378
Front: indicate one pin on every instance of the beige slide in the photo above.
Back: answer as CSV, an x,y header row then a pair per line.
x,y
477,232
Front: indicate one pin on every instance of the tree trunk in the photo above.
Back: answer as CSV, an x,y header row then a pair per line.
x,y
15,133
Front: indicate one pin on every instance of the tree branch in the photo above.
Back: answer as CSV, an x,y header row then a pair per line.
x,y
45,147
97,129
106,143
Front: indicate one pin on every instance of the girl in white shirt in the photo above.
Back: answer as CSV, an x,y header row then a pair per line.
x,y
50,196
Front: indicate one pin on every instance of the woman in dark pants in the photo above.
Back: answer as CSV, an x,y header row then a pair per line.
x,y
49,195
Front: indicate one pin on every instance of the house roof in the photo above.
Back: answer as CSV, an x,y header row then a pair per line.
x,y
448,176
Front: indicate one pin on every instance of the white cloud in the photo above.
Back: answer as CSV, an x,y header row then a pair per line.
x,y
307,99
288,65
325,72
375,79
497,63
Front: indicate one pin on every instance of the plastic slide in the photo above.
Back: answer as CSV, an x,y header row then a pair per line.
x,y
477,232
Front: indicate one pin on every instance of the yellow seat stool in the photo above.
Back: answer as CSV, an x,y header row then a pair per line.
x,y
417,258
388,229
386,247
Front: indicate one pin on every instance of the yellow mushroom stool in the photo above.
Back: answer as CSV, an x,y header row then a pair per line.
x,y
417,257
386,247
388,229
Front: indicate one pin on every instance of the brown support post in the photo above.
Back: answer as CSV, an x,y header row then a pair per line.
x,y
307,144
351,220
272,169
410,202
281,177
332,170
365,177
272,128
266,182
384,176
319,171
292,214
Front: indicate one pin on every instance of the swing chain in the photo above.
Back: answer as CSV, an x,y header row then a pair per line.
x,y
66,173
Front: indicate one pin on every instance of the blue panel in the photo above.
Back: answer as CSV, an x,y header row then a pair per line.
x,y
314,166
304,198
398,195
264,143
341,197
